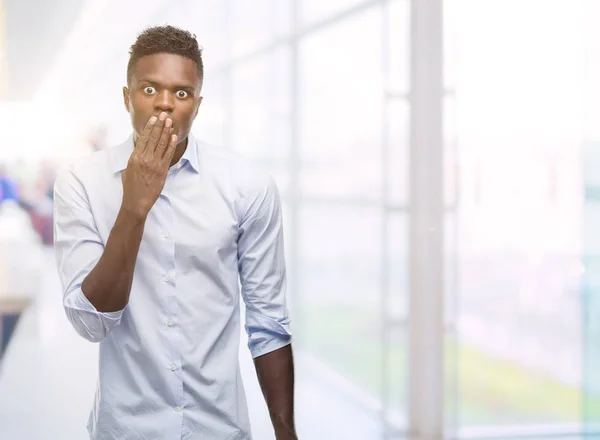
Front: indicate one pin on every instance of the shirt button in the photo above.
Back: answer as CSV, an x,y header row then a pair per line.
x,y
170,323
166,235
173,367
165,279
177,409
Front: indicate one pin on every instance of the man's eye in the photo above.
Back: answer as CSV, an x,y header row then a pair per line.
x,y
182,94
149,90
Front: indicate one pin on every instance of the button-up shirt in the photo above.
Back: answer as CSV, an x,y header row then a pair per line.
x,y
169,366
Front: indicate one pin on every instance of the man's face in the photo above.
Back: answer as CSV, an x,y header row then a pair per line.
x,y
164,83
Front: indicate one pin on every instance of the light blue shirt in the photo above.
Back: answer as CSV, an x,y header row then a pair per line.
x,y
169,365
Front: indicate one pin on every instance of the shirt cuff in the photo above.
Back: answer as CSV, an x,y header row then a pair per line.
x,y
87,321
266,334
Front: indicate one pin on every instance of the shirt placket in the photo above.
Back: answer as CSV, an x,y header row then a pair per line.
x,y
171,321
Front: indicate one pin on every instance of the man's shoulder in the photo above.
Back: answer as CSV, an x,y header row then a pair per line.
x,y
92,164
89,167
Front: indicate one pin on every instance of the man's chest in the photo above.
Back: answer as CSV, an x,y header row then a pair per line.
x,y
189,220
191,230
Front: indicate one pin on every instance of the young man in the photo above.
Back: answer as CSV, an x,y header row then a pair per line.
x,y
151,238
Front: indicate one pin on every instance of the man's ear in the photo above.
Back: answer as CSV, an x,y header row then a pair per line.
x,y
198,106
126,98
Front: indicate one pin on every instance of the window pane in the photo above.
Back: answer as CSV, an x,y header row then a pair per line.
x,y
261,112
396,374
451,42
210,124
341,108
591,243
398,44
340,290
518,346
208,21
591,62
396,311
316,10
340,280
591,286
257,23
397,160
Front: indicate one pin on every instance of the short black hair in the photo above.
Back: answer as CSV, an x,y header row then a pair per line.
x,y
165,39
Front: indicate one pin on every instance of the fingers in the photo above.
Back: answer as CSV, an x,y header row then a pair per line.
x,y
142,141
164,139
155,134
170,151
156,140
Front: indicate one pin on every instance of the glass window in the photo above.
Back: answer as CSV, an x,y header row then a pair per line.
x,y
591,63
341,101
398,46
451,42
208,20
590,306
395,319
340,280
210,124
257,23
396,266
340,288
518,346
316,10
261,112
398,154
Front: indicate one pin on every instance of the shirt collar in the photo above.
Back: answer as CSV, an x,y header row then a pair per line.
x,y
120,154
191,153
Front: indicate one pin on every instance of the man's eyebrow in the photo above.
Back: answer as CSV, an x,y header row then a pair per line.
x,y
174,86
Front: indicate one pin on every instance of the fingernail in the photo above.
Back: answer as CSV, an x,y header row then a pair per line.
x,y
163,116
153,119
168,123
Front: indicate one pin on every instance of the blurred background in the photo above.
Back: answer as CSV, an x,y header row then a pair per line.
x,y
439,165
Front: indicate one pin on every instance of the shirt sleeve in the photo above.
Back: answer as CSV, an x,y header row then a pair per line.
x,y
78,247
262,270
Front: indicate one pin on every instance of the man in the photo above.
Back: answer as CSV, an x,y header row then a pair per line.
x,y
151,238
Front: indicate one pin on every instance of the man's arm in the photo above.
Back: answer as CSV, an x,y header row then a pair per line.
x,y
78,247
97,279
263,278
275,372
108,285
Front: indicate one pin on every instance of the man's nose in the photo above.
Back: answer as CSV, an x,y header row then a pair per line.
x,y
164,101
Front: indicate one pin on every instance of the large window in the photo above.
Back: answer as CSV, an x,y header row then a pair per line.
x,y
261,112
258,23
319,94
312,11
341,93
591,247
518,115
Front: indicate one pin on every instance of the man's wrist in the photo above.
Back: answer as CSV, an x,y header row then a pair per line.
x,y
284,428
133,216
285,435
